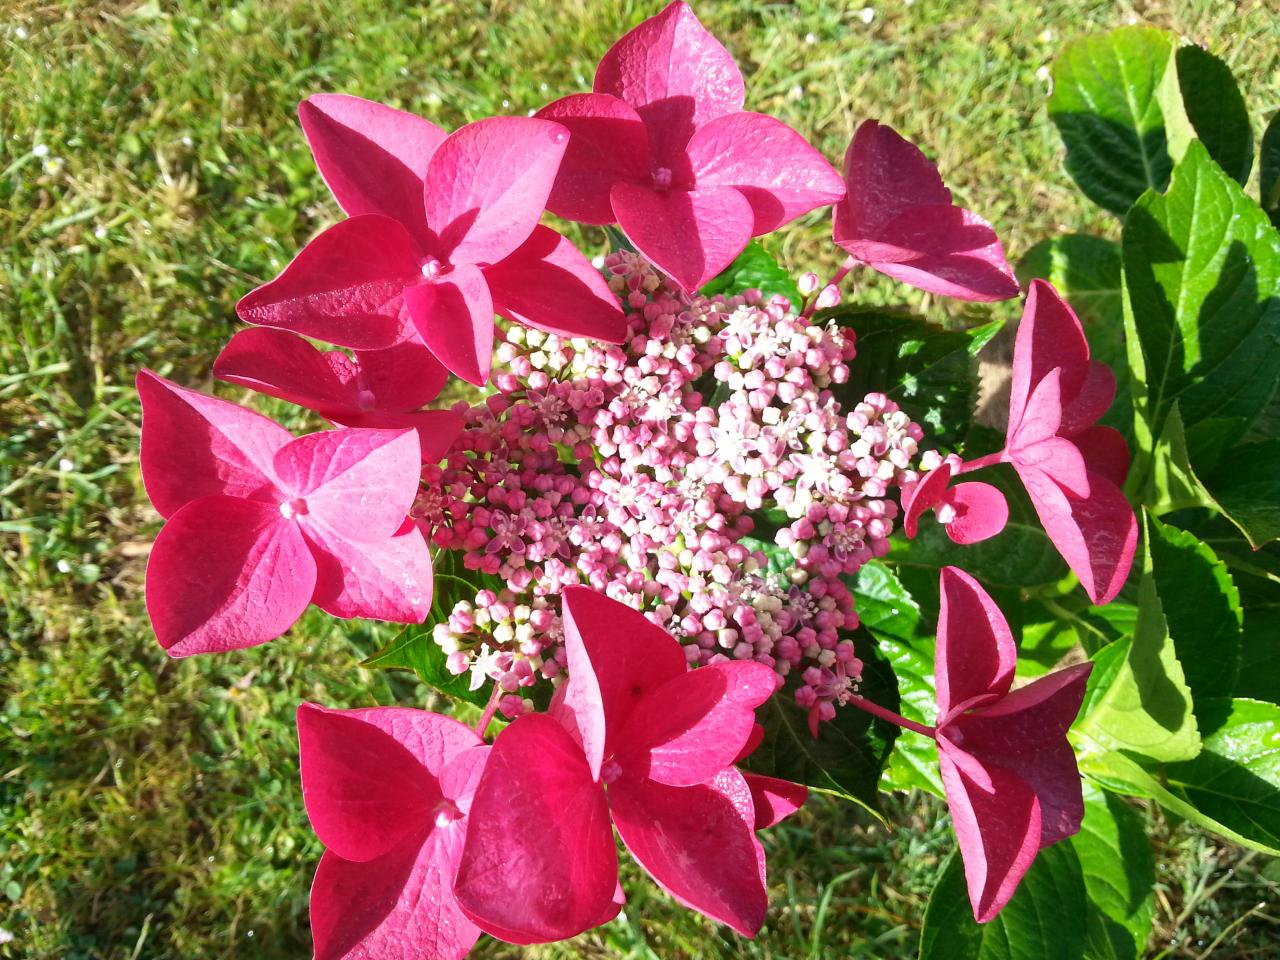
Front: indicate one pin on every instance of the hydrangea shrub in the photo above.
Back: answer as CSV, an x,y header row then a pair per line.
x,y
705,540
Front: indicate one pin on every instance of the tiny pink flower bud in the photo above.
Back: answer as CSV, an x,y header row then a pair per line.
x,y
828,298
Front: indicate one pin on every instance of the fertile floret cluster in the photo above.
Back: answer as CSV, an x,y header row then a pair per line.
x,y
666,472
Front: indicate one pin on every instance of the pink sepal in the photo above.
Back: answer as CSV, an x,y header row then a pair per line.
x,y
373,157
345,287
698,843
898,218
225,574
539,863
547,284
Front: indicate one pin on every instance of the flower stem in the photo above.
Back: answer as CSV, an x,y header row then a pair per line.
x,y
900,721
482,725
845,269
990,460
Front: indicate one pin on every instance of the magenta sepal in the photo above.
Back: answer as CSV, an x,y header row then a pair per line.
x,y
1071,468
663,148
1009,773
413,262
976,511
898,218
372,388
261,524
635,740
388,791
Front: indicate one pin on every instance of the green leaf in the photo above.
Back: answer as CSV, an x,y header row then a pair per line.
x,y
927,370
1106,104
1202,609
1020,556
1243,483
849,753
778,560
1119,877
414,649
1169,483
1117,617
1267,425
1256,574
1045,919
1086,271
1216,110
754,267
1269,183
1123,773
1142,704
1052,626
891,614
883,603
1236,778
1260,652
914,762
1246,486
1254,571
1108,661
768,522
618,240
1044,644
1202,319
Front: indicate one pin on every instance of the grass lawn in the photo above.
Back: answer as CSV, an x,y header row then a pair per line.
x,y
151,172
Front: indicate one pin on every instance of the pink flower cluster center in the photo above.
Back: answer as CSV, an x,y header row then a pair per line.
x,y
636,469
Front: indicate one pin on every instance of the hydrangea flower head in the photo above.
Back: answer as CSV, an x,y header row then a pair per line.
x,y
1010,775
260,524
388,791
663,148
898,218
443,233
635,739
712,408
